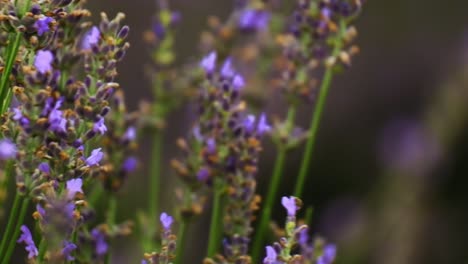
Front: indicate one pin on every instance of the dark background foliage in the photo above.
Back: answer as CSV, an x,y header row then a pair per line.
x,y
413,51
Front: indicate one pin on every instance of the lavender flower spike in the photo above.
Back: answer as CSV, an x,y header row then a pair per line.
x,y
290,205
74,186
166,220
209,62
43,61
68,247
7,149
27,239
95,157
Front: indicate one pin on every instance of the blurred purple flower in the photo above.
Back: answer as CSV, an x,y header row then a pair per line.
x,y
101,245
249,123
238,82
328,256
27,239
44,167
74,186
271,256
166,220
211,145
290,205
263,126
91,38
130,134
254,19
8,149
208,63
67,249
42,25
130,164
100,126
43,61
203,174
227,71
95,157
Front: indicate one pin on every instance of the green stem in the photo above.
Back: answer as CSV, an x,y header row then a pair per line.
x,y
216,220
180,241
154,187
308,215
111,215
317,116
11,219
12,242
5,181
42,250
275,180
5,93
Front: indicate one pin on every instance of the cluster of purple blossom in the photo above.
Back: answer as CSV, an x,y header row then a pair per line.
x,y
69,140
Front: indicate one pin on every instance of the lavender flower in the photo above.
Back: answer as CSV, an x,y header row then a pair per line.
x,y
74,186
263,126
91,38
7,149
95,157
328,256
254,19
67,249
203,174
101,245
211,145
249,122
42,25
100,126
271,256
290,205
227,71
130,164
44,167
166,220
130,134
27,239
43,61
238,82
209,62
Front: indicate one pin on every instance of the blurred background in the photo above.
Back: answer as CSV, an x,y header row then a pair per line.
x,y
389,174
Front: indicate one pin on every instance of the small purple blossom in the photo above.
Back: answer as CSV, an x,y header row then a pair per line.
x,y
263,126
211,145
130,134
42,25
166,220
249,123
27,239
290,205
17,115
44,167
67,249
227,71
203,174
57,122
74,186
101,245
238,82
208,63
130,164
40,210
100,126
43,61
8,149
254,20
328,256
91,38
95,157
271,256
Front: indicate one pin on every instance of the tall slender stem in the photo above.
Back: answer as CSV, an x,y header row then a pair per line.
x,y
5,182
180,241
11,221
216,220
154,186
42,250
272,191
317,115
111,214
12,241
5,92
